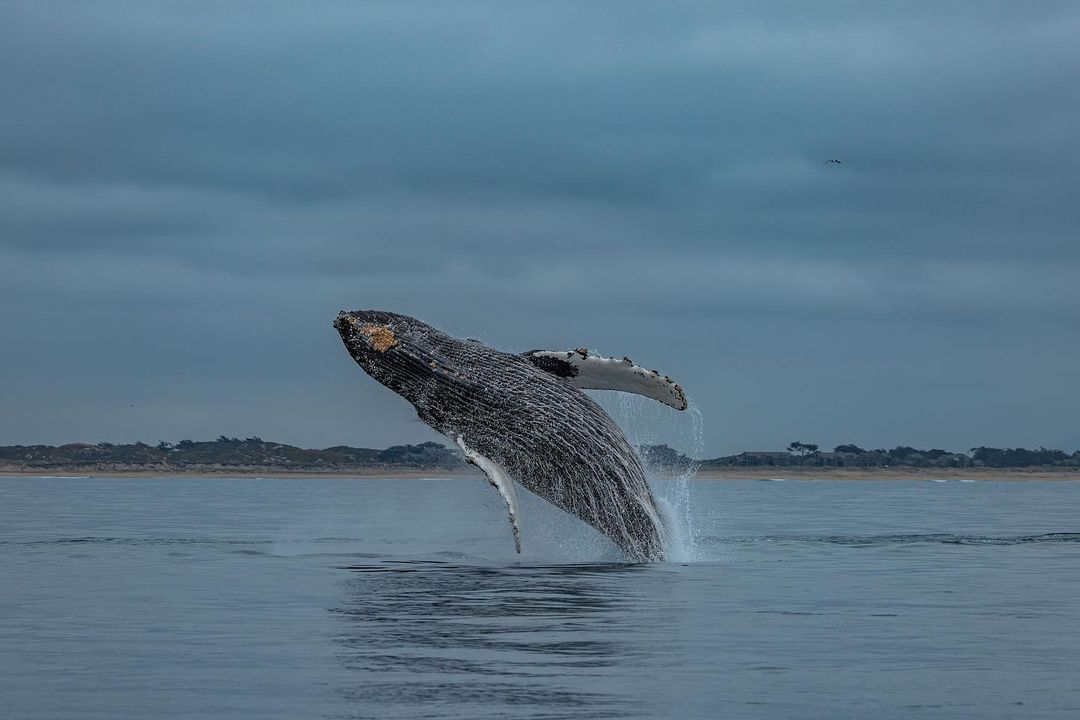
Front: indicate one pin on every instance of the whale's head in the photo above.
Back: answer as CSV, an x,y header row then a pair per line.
x,y
401,352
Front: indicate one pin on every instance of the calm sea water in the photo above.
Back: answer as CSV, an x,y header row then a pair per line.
x,y
225,598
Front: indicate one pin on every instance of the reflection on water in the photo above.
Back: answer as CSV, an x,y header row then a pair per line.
x,y
439,637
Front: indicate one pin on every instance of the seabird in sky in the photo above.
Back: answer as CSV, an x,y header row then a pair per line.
x,y
832,161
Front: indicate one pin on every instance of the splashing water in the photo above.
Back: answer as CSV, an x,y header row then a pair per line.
x,y
645,424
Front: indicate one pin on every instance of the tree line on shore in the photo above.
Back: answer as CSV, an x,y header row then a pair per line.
x,y
226,451
850,455
256,453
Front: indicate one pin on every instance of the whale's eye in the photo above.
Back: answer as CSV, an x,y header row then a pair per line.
x,y
382,337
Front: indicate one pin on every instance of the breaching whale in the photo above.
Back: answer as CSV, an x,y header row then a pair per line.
x,y
524,418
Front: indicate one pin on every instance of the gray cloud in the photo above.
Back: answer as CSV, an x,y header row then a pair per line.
x,y
191,191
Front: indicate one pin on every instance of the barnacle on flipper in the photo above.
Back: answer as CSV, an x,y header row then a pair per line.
x,y
382,337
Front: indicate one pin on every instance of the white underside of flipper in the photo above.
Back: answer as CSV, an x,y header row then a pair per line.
x,y
595,372
500,480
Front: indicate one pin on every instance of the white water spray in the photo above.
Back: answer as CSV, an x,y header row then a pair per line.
x,y
646,424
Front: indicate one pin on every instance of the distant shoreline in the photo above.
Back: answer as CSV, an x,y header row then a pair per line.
x,y
242,472
885,474
732,473
255,457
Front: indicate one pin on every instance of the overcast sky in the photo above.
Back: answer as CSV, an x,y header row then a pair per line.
x,y
189,192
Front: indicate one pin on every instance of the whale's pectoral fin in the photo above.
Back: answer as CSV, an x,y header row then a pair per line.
x,y
500,480
593,372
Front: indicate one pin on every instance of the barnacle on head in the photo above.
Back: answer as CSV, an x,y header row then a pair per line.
x,y
382,337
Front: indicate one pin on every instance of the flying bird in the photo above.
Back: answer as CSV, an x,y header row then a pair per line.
x,y
832,161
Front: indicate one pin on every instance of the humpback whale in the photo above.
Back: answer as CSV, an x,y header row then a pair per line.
x,y
523,418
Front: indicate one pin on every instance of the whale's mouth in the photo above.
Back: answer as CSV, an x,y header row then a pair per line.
x,y
344,322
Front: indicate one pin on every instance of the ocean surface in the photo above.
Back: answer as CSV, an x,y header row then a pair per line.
x,y
247,598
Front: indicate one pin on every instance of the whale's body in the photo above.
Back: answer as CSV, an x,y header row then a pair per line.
x,y
519,418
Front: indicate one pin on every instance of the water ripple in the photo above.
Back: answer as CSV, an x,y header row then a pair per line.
x,y
107,540
898,539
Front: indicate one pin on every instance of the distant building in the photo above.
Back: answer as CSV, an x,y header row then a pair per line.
x,y
953,460
762,458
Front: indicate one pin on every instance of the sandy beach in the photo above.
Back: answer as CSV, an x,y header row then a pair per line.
x,y
899,473
225,474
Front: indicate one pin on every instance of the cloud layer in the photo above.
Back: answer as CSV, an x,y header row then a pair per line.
x,y
189,192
